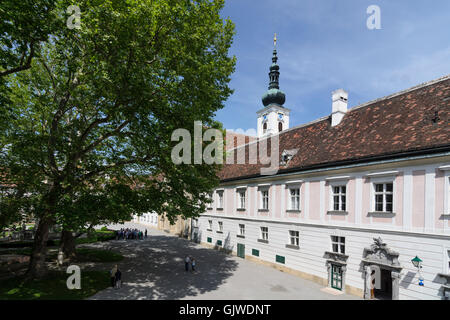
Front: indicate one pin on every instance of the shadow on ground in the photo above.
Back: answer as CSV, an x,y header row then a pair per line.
x,y
154,269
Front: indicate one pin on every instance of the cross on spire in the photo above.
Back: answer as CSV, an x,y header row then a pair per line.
x,y
275,40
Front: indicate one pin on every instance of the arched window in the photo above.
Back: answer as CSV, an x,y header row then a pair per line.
x,y
265,127
280,126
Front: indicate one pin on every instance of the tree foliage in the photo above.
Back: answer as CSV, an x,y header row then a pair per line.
x,y
86,130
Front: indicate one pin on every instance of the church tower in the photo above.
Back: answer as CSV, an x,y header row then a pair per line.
x,y
274,117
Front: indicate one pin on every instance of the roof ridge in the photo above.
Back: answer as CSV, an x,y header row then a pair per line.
x,y
402,92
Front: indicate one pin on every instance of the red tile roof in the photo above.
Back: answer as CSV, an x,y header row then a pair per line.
x,y
413,120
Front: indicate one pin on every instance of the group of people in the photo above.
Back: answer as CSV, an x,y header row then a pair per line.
x,y
128,234
116,277
189,261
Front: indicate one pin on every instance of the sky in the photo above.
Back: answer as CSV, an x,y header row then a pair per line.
x,y
324,45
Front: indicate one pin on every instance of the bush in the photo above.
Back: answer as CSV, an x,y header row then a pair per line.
x,y
104,229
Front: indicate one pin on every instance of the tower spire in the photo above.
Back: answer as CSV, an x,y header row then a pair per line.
x,y
274,94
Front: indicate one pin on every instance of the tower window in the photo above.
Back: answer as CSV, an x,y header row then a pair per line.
x,y
280,126
264,127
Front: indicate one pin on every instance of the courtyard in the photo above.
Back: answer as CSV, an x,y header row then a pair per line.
x,y
154,269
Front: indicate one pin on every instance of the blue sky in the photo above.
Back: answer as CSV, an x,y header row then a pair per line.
x,y
324,45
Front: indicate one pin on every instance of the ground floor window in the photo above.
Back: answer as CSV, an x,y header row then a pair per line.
x,y
265,233
338,244
294,238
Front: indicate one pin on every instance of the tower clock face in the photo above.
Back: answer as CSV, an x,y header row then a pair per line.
x,y
280,116
265,117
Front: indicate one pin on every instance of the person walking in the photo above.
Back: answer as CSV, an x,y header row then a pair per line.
x,y
186,263
112,274
193,264
118,279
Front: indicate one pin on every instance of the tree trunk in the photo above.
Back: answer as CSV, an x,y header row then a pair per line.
x,y
37,267
68,245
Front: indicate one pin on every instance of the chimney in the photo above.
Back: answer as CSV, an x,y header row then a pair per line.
x,y
339,108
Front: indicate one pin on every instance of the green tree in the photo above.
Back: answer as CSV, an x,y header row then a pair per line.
x,y
87,135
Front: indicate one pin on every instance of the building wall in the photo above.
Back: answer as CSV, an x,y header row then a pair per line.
x,y
418,226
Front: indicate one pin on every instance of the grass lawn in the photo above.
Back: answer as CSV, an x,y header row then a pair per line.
x,y
53,287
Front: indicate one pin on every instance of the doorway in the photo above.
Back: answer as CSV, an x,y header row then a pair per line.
x,y
336,277
241,250
385,292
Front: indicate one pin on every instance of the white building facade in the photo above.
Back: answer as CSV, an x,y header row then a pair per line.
x,y
366,194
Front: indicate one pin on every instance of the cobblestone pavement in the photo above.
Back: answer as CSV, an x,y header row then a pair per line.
x,y
154,269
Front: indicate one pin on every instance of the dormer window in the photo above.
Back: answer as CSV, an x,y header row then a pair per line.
x,y
287,155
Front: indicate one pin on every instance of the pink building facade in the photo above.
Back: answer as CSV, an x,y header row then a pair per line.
x,y
358,199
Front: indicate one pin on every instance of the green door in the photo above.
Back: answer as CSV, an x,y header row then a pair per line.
x,y
241,250
336,277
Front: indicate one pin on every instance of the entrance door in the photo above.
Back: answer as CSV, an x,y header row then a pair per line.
x,y
385,292
241,250
336,277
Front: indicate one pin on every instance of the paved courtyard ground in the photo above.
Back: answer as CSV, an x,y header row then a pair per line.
x,y
154,269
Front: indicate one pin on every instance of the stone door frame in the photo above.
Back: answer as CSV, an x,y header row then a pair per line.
x,y
379,255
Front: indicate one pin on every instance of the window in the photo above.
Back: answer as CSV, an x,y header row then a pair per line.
x,y
265,233
220,204
220,226
210,196
383,197
241,200
265,199
338,244
339,198
242,229
280,126
264,127
294,237
295,199
210,224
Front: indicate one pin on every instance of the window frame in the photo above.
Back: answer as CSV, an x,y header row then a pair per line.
x,y
220,199
239,192
339,243
220,226
264,235
241,230
261,198
384,195
295,237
